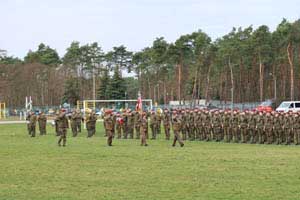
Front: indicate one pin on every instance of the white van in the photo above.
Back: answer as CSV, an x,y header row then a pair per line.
x,y
287,106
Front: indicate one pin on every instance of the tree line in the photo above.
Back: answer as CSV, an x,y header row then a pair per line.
x,y
245,65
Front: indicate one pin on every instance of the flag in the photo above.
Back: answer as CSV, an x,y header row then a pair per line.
x,y
138,106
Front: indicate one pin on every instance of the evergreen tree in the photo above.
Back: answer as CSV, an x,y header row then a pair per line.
x,y
44,55
71,94
117,86
103,92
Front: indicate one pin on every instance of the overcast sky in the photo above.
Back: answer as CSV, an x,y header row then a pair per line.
x,y
133,23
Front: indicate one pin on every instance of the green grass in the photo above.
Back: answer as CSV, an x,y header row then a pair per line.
x,y
37,169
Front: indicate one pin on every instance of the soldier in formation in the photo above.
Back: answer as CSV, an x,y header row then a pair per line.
x,y
31,124
56,119
76,119
109,126
42,121
143,128
91,119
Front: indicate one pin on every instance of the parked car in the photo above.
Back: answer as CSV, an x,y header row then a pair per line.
x,y
266,106
287,106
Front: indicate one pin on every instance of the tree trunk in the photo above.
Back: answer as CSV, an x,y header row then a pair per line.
x,y
261,79
179,83
165,92
290,58
194,96
232,83
207,85
149,87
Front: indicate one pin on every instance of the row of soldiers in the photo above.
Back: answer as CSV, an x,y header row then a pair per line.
x,y
241,126
218,125
32,119
193,124
131,121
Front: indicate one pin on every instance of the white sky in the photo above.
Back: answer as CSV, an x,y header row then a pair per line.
x,y
133,23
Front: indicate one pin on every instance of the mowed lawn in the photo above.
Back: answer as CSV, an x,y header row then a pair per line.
x,y
37,169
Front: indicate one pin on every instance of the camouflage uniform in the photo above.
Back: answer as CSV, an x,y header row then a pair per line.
x,y
226,121
153,125
296,129
176,125
143,129
252,128
91,124
197,124
56,119
183,118
166,122
42,120
243,125
269,128
119,122
260,128
278,128
124,125
137,124
190,126
288,124
216,126
63,125
73,124
203,126
130,125
235,126
158,119
109,125
78,120
32,124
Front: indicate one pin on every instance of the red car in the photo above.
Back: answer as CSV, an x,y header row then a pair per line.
x,y
266,106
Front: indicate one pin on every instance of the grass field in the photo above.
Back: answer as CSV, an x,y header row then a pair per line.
x,y
37,169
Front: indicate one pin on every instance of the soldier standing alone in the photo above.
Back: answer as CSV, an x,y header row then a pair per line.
x,y
63,125
176,124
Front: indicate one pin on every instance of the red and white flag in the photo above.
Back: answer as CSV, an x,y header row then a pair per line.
x,y
139,105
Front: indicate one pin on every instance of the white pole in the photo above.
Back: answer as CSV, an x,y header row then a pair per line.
x,y
30,103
